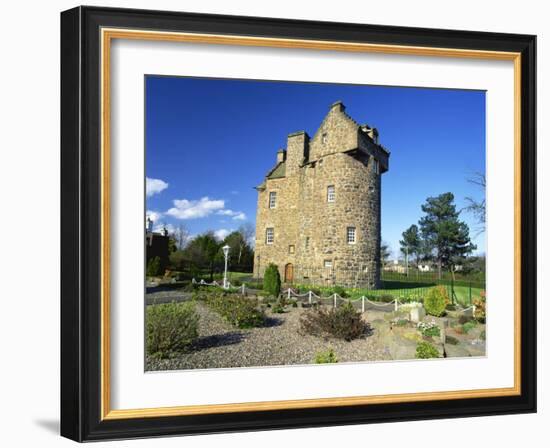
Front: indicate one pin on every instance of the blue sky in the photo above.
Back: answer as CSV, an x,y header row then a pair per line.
x,y
210,141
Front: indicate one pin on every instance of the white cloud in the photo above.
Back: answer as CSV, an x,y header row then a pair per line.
x,y
153,216
191,209
154,186
240,216
220,234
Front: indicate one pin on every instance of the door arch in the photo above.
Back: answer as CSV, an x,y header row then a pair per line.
x,y
289,273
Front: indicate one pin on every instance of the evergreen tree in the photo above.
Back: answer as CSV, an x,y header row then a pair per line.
x,y
444,234
411,244
272,280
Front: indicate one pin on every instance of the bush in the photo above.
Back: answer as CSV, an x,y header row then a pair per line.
x,y
278,307
436,301
170,327
425,350
326,357
482,335
340,291
239,311
272,280
343,322
429,329
480,304
153,267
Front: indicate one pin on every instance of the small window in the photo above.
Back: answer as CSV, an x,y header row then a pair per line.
x,y
269,235
307,242
272,199
324,138
328,263
291,249
350,235
376,166
331,193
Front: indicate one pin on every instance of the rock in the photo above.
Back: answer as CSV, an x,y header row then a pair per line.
x,y
417,313
456,351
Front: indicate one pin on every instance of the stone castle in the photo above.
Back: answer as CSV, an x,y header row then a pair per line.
x,y
318,213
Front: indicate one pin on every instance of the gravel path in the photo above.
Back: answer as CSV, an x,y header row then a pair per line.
x,y
278,343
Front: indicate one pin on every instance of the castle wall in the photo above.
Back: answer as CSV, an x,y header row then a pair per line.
x,y
317,229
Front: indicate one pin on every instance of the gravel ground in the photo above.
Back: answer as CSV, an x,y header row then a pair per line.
x,y
278,343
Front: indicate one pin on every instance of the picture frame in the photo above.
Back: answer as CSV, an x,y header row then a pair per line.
x,y
86,37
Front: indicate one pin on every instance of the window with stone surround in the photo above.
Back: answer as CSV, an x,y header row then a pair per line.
x,y
291,249
328,264
331,193
351,235
269,235
272,199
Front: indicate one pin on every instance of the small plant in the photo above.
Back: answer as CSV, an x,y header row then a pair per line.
x,y
482,335
272,280
400,322
468,326
170,327
425,350
154,267
326,357
429,329
340,291
480,308
436,301
278,307
343,322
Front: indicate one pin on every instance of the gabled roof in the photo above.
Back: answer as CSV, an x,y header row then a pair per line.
x,y
277,172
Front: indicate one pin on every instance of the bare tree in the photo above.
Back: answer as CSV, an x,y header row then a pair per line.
x,y
181,236
477,207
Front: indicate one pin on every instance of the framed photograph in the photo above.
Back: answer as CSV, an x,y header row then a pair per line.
x,y
274,223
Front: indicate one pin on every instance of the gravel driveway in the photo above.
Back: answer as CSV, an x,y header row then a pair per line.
x,y
278,343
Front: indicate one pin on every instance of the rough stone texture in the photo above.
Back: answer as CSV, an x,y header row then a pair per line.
x,y
309,232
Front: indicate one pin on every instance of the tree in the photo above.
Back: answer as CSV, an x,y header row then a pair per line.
x,y
445,235
477,207
181,236
411,244
272,280
153,267
385,253
204,250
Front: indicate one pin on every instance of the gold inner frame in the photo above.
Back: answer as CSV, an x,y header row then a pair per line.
x,y
107,35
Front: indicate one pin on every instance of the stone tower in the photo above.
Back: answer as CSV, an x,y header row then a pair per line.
x,y
318,212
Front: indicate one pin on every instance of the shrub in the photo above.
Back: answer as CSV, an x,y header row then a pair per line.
x,y
239,311
480,304
436,301
342,322
482,335
278,307
425,350
153,267
272,280
326,357
170,327
340,291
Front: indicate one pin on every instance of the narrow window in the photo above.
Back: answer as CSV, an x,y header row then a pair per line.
x,y
328,263
269,235
291,249
324,138
307,242
350,234
331,193
272,199
376,166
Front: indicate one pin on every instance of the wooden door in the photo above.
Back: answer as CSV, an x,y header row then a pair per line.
x,y
289,273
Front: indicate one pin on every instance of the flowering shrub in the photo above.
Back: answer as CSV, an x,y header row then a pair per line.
x,y
480,313
428,328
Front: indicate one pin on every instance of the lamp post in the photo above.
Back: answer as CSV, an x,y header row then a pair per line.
x,y
225,254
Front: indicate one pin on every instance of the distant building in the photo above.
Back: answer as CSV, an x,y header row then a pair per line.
x,y
318,212
156,244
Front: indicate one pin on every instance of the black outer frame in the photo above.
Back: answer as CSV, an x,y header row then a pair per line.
x,y
80,224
